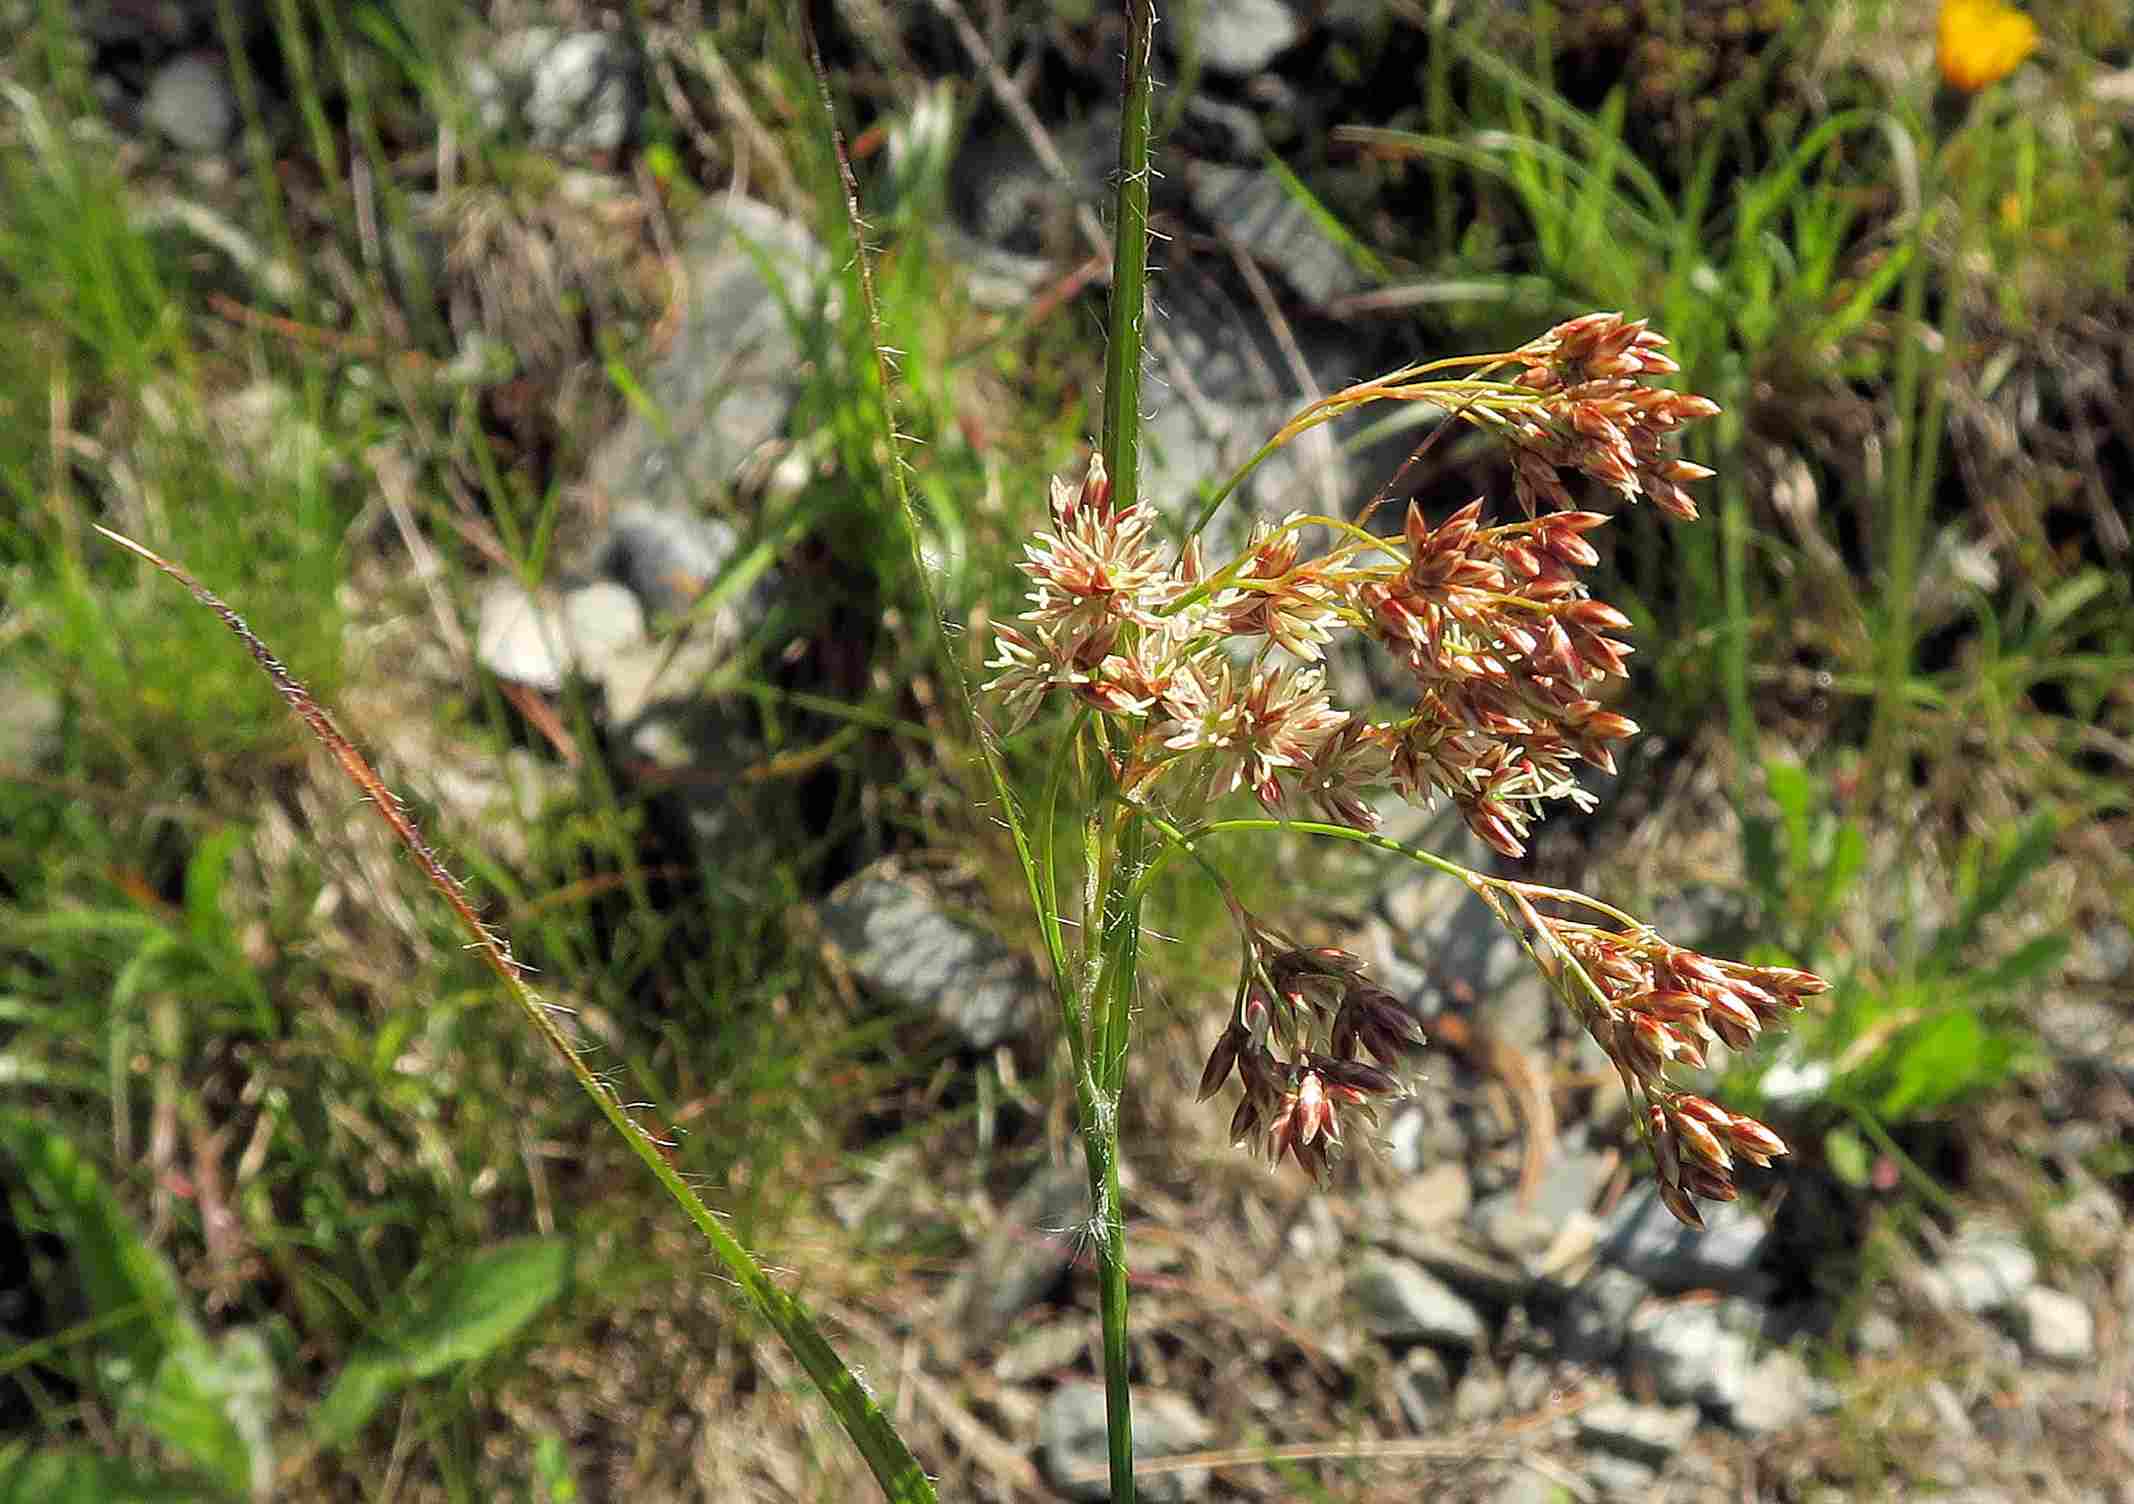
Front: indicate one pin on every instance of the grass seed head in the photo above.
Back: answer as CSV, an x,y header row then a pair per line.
x,y
1209,678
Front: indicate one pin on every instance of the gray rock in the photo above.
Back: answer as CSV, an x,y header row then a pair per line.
x,y
2054,1327
1045,1350
875,1205
1528,1227
1241,36
152,29
2094,1034
519,637
1572,1178
539,640
1423,1390
1216,130
1515,1230
1071,1443
1429,1203
1412,896
2087,1225
1571,1241
1523,1011
190,102
1688,1355
996,279
668,557
1021,1257
1697,914
724,384
1189,447
1613,1477
1877,1335
1946,1412
1480,1396
1255,208
1462,939
1375,941
572,91
1984,1270
1220,387
2017,1429
1525,1486
1402,1302
901,943
1418,905
1779,1394
1642,1237
1793,1083
1595,1317
1313,1235
2103,952
1460,1259
601,618
644,684
1645,1433
1006,196
272,437
1528,1382
1426,1131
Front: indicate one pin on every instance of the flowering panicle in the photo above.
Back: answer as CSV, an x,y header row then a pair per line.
x,y
1270,594
1600,418
1650,1005
1296,1097
1508,651
1212,680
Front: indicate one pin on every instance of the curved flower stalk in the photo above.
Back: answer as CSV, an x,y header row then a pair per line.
x,y
1202,682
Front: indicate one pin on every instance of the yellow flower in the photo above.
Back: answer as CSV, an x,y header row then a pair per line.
x,y
1982,42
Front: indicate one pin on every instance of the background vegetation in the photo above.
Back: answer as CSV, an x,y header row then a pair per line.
x,y
294,1205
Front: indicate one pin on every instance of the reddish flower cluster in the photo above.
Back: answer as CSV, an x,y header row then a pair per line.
x,y
1294,995
1652,1004
1211,681
1506,646
1600,418
1504,643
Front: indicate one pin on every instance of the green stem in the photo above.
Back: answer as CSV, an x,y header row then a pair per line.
x,y
1430,859
1104,1090
1111,1308
1899,542
1917,460
1907,1166
1103,1074
1129,264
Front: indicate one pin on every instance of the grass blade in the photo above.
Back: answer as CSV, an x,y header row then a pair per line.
x,y
208,1401
894,1468
465,1316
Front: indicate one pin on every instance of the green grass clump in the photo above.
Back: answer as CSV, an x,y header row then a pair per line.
x,y
1824,273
